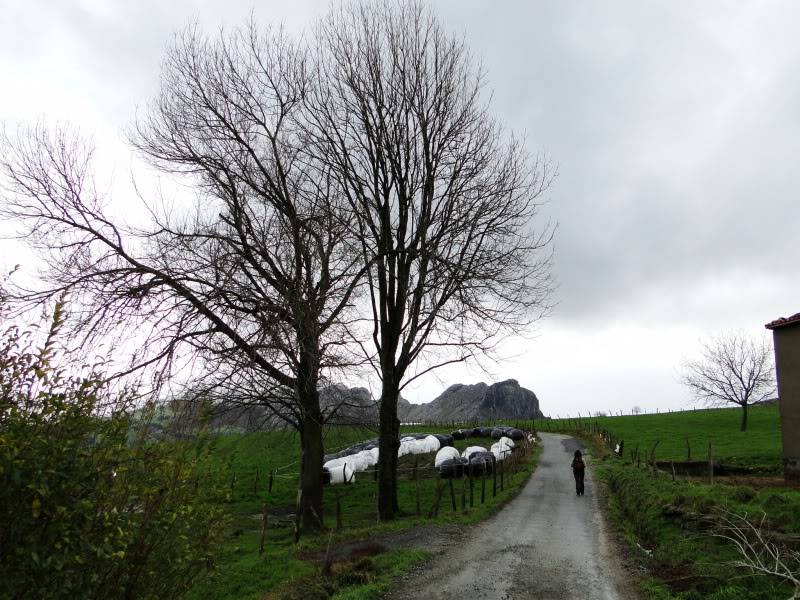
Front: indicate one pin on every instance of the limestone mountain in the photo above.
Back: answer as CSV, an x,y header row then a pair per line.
x,y
477,402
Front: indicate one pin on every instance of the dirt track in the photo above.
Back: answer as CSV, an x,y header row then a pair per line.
x,y
547,544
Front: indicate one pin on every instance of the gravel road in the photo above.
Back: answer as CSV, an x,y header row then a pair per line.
x,y
546,544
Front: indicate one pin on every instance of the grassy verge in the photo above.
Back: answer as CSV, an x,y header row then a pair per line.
x,y
668,526
284,569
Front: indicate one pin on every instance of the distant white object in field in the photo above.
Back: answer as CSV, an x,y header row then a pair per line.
x,y
433,443
500,451
472,450
506,442
375,454
340,471
446,453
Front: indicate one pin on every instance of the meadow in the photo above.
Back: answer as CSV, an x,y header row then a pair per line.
x,y
759,447
285,569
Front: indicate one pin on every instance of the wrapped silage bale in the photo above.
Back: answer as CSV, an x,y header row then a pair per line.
x,y
507,442
432,442
446,453
340,473
500,451
405,447
453,468
375,452
445,439
472,450
460,434
361,461
481,463
516,434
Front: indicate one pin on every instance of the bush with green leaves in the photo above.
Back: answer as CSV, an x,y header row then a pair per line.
x,y
85,512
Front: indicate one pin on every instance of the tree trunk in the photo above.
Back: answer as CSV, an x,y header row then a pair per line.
x,y
312,449
310,492
744,416
388,444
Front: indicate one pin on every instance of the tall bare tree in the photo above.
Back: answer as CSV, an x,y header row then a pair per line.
x,y
256,277
732,369
443,200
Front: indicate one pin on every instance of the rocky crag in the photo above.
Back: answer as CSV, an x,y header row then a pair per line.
x,y
478,402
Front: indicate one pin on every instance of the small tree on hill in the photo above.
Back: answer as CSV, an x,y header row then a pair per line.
x,y
733,369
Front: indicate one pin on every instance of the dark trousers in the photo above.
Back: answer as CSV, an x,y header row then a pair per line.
x,y
578,482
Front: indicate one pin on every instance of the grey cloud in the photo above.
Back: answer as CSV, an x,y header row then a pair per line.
x,y
674,125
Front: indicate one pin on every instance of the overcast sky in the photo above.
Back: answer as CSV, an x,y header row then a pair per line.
x,y
675,126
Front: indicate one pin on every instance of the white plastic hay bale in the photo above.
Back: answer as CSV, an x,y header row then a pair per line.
x,y
406,447
375,452
500,451
506,441
419,447
433,443
340,473
446,453
334,463
471,450
362,461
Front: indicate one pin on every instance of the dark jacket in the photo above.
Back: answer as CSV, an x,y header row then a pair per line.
x,y
578,466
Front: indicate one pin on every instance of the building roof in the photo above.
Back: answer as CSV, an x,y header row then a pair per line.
x,y
784,321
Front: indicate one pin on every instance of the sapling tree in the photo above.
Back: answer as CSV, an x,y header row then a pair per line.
x,y
732,369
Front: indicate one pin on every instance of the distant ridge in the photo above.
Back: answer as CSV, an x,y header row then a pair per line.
x,y
477,402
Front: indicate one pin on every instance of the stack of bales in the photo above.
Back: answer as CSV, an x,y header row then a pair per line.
x,y
341,467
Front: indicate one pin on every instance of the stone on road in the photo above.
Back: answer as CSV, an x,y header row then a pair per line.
x,y
546,544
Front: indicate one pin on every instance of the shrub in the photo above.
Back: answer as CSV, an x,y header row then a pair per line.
x,y
85,512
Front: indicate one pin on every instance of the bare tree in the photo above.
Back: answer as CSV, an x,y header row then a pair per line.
x,y
255,279
732,369
757,551
443,200
636,410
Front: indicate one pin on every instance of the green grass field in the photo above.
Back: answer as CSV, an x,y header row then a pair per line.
x,y
245,461
759,446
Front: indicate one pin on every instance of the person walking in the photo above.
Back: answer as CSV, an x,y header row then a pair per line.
x,y
578,468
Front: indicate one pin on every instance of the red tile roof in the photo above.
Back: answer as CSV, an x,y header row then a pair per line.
x,y
784,321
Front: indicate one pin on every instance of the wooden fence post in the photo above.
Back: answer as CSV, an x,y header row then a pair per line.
x,y
255,485
436,499
501,472
464,494
416,486
471,489
269,486
264,518
688,451
452,494
710,464
338,512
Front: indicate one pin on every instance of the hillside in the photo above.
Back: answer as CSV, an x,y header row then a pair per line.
x,y
759,446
